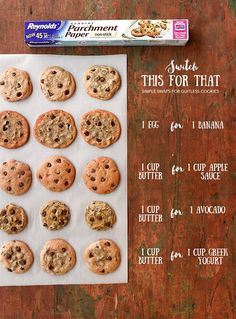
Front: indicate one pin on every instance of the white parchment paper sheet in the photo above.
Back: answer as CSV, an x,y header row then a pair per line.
x,y
79,153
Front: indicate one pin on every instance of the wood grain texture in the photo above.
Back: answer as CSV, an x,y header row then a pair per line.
x,y
180,289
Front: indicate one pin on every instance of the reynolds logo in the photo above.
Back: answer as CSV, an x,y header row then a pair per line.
x,y
44,26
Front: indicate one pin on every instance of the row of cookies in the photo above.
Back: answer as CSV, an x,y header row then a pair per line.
x,y
57,129
57,174
57,84
55,215
58,257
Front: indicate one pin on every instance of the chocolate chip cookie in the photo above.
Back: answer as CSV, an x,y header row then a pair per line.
x,y
57,257
57,84
55,215
13,219
56,173
55,129
15,85
16,256
100,215
14,129
15,177
102,256
101,175
100,128
102,81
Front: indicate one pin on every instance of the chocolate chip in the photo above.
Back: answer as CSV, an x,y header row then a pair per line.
x,y
18,85
18,249
22,262
109,258
5,221
102,79
13,228
40,177
42,81
92,170
93,70
5,140
9,188
88,122
103,271
51,267
13,73
99,123
2,82
52,253
63,250
54,72
107,243
4,128
50,93
18,94
45,225
66,183
12,211
49,164
18,222
92,179
8,256
21,173
5,173
94,188
98,140
58,160
113,72
19,123
9,269
68,170
44,213
91,219
57,140
21,184
56,181
88,77
86,133
112,185
54,218
103,179
59,85
52,117
95,90
113,123
22,268
61,125
107,90
67,92
99,217
90,255
108,224
106,166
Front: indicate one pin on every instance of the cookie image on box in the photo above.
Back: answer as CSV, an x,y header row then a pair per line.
x,y
57,257
102,81
56,173
55,129
13,219
16,256
100,128
100,215
57,84
102,257
14,130
101,175
55,215
15,85
15,177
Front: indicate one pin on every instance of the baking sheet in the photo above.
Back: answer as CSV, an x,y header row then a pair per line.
x,y
79,153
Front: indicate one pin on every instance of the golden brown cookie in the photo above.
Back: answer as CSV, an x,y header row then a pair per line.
x,y
13,219
100,128
101,175
102,256
15,85
57,84
16,256
100,215
14,129
102,81
55,129
57,257
55,215
137,32
56,173
15,177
